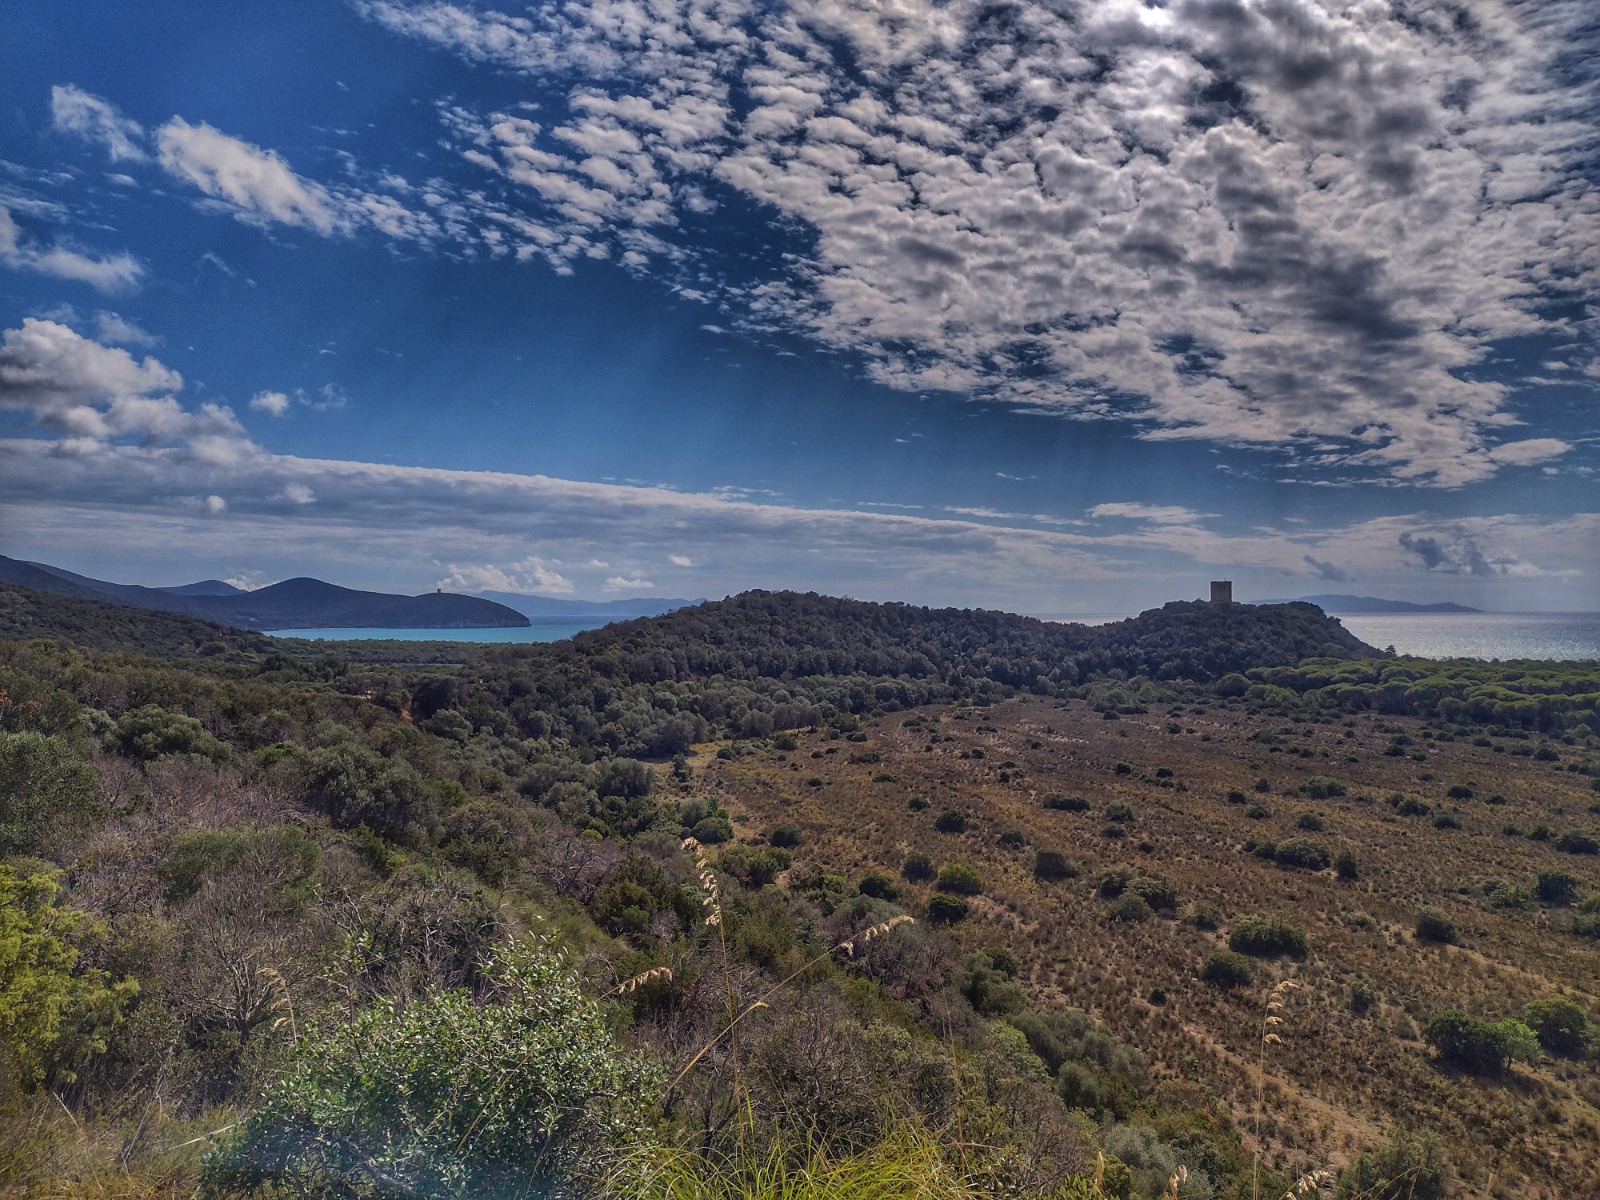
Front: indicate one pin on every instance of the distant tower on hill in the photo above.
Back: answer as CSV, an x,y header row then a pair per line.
x,y
1222,591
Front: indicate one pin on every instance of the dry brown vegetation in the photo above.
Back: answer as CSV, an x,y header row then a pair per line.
x,y
1340,1080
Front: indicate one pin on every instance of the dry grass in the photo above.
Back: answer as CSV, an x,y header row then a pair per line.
x,y
1338,1078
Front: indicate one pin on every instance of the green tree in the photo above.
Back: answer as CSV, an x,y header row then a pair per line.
x,y
1559,1024
53,1015
44,784
516,1095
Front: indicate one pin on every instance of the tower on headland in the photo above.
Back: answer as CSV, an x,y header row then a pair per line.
x,y
1222,591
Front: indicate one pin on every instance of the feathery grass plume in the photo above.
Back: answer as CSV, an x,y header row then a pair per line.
x,y
1312,1183
1271,1021
1178,1178
640,980
281,1003
710,891
875,931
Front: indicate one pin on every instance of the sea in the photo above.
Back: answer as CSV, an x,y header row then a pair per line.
x,y
1564,636
550,631
1547,635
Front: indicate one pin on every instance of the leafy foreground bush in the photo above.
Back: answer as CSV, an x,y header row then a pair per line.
x,y
1408,1167
1267,937
520,1094
1481,1047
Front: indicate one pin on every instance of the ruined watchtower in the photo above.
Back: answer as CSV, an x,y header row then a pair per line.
x,y
1222,591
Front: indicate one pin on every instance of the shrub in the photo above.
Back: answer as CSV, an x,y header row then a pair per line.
x,y
1267,937
785,837
1362,997
1011,839
1258,812
1559,1024
1459,791
53,1013
358,786
917,867
951,820
1309,822
1320,787
1304,853
1227,969
961,880
1407,1167
151,732
1113,832
1435,925
1052,865
1556,887
44,785
917,804
517,1095
947,910
1118,811
1131,907
1236,797
1066,803
1481,1047
1346,867
1577,843
879,887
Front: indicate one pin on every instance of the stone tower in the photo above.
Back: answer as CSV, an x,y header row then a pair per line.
x,y
1222,591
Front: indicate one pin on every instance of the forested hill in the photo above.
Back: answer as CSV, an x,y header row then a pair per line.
x,y
788,635
96,624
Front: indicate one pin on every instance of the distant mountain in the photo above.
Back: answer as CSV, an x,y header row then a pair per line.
x,y
1358,605
543,608
101,624
206,587
292,604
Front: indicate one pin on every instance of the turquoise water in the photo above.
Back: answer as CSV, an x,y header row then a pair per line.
x,y
553,631
1428,635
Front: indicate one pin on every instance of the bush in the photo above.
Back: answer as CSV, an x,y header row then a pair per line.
x,y
1258,812
1052,865
1559,1024
518,1095
1577,843
1309,822
947,910
1011,839
786,837
1267,937
1131,907
44,786
1407,1167
1118,811
1066,803
1227,969
951,820
1435,925
151,732
961,880
1304,853
879,887
917,868
1481,1047
1346,867
1320,787
1556,887
358,786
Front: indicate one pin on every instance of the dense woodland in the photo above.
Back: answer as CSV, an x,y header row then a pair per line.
x,y
409,920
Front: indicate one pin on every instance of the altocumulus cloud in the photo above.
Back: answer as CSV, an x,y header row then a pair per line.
x,y
1289,223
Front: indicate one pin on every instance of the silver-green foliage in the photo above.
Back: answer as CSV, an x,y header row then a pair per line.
x,y
523,1093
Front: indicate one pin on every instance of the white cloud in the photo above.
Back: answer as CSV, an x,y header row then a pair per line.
x,y
1293,225
680,560
118,330
1534,450
532,575
216,504
75,111
623,583
299,493
274,404
92,393
1157,514
256,183
115,273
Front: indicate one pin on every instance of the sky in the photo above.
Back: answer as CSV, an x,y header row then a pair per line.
x,y
1053,307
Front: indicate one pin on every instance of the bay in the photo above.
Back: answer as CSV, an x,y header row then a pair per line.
x,y
547,631
1562,636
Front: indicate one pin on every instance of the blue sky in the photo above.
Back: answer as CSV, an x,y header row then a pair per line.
x,y
1048,308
